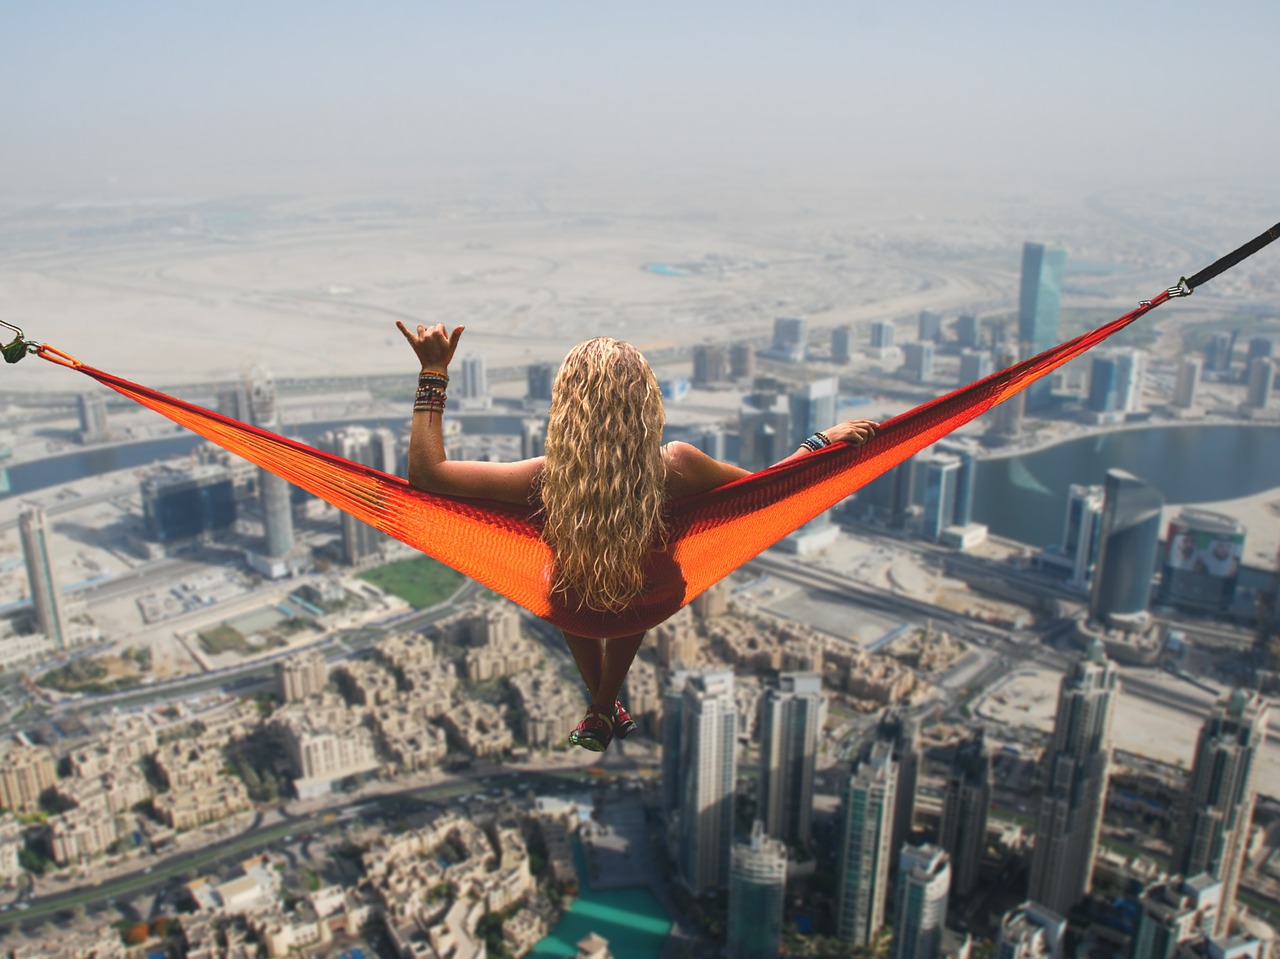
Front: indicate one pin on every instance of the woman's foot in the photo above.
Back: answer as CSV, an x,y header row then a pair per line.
x,y
595,731
623,724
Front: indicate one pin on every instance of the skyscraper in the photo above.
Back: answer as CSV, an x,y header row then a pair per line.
x,y
742,361
941,482
841,344
188,503
965,804
46,597
1008,416
929,327
1184,390
966,479
813,408
1262,375
882,335
93,417
764,428
376,448
757,888
273,492
710,364
865,838
974,365
1038,304
1115,382
1030,932
1173,912
1076,765
539,378
918,361
901,731
1214,831
968,333
790,337
1259,347
791,713
1218,351
1082,532
708,771
920,902
1127,552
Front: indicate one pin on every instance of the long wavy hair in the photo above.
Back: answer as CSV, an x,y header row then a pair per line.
x,y
604,479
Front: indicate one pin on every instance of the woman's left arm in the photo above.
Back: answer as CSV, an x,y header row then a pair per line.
x,y
429,469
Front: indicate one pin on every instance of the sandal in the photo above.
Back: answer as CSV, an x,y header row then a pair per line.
x,y
595,731
623,724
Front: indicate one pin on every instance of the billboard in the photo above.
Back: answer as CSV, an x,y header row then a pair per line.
x,y
1201,564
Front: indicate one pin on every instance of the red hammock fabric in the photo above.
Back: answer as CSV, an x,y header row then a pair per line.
x,y
711,534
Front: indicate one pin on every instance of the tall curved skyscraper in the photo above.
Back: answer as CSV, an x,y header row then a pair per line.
x,y
277,514
1130,536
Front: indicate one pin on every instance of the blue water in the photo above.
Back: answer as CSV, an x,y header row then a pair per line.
x,y
633,921
1024,497
665,269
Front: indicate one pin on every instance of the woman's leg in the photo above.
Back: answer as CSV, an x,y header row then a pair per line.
x,y
619,653
589,655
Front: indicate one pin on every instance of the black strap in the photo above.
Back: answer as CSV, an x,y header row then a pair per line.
x,y
1231,259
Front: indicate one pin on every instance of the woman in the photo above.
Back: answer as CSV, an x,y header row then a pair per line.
x,y
600,489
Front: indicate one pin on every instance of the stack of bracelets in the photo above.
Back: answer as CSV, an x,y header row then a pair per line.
x,y
816,442
431,392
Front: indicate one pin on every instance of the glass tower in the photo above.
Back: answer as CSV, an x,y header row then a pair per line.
x,y
1038,305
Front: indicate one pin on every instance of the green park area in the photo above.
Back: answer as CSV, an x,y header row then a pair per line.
x,y
420,582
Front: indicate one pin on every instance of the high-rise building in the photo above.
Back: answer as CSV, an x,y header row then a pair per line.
x,y
1115,383
790,337
865,846
1008,416
1218,811
791,715
1218,351
764,428
966,480
1038,304
918,361
1173,912
929,327
92,408
887,498
965,804
672,726
46,597
1130,537
533,438
941,483
841,344
901,731
540,377
188,503
920,902
273,492
471,385
369,447
1030,932
26,771
1076,765
742,361
813,408
1184,390
757,890
1262,377
1202,561
710,364
968,333
1082,532
1260,347
882,335
974,365
708,771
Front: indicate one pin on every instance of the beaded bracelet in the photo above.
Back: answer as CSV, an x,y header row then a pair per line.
x,y
815,442
431,395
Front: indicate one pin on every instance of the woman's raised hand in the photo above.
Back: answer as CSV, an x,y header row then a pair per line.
x,y
433,345
855,432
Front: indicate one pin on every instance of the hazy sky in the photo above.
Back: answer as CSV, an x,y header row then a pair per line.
x,y
162,98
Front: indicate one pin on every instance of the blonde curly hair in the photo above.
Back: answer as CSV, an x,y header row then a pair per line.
x,y
603,479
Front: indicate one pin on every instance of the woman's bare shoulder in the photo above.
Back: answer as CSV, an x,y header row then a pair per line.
x,y
691,471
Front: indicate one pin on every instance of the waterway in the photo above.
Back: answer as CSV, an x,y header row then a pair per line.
x,y
633,921
1023,497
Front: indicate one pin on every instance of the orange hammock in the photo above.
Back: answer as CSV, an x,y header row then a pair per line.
x,y
711,534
